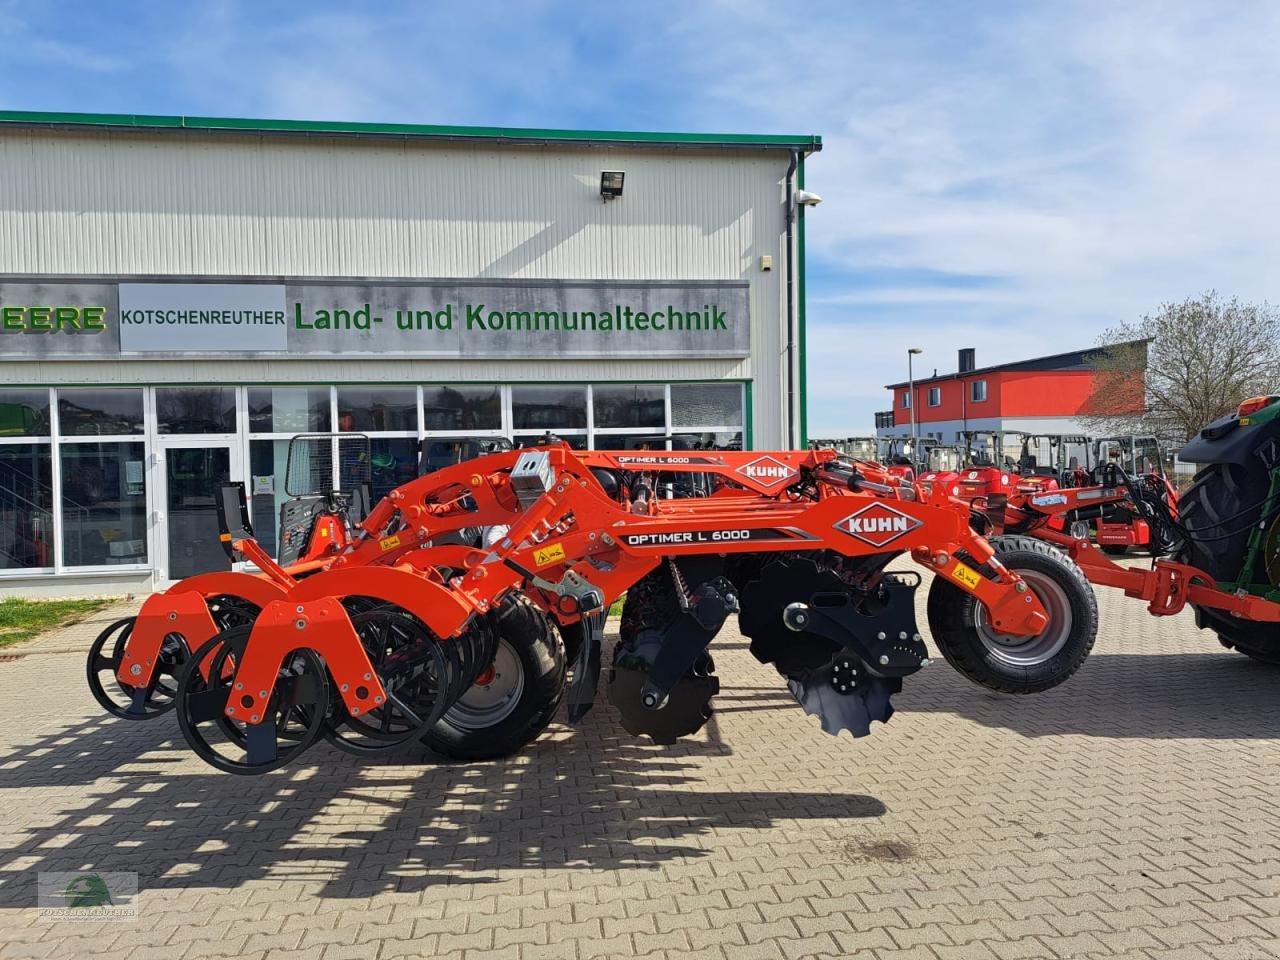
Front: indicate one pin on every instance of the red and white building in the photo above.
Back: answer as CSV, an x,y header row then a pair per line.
x,y
1045,395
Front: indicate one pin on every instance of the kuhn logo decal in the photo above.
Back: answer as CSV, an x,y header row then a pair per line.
x,y
766,471
878,525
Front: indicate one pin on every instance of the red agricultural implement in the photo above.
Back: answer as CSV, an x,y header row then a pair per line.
x,y
452,610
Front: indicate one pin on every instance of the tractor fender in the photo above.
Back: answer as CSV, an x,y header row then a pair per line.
x,y
1232,439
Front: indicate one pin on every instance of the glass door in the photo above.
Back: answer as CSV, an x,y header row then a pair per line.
x,y
191,473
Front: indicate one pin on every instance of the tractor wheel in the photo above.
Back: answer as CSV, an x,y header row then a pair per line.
x,y
1018,664
1225,498
521,692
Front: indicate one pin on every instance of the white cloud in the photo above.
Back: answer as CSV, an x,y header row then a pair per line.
x,y
1097,158
1087,160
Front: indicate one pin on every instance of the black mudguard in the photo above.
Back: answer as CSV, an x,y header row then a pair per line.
x,y
1227,440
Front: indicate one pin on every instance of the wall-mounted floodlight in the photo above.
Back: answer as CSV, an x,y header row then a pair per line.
x,y
807,199
611,184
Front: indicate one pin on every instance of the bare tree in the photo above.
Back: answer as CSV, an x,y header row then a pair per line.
x,y
1201,358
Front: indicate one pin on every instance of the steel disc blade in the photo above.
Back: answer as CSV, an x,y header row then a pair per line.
x,y
853,711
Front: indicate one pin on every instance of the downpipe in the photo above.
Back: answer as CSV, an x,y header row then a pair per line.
x,y
791,303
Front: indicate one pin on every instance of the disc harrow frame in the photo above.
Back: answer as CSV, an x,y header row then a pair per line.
x,y
572,532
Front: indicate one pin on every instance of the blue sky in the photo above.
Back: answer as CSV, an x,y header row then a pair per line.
x,y
1013,177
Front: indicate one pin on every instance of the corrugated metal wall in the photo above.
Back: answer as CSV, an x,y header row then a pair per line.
x,y
90,203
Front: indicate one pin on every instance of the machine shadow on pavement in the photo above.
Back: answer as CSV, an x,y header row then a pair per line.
x,y
594,798
1209,695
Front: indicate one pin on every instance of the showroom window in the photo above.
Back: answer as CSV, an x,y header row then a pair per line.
x,y
392,462
446,409
102,466
99,412
101,478
632,405
268,460
195,409
538,410
26,481
376,409
103,470
629,416
289,409
707,416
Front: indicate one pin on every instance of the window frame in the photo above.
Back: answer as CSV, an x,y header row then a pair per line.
x,y
935,392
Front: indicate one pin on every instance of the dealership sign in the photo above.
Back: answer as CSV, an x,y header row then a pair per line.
x,y
483,319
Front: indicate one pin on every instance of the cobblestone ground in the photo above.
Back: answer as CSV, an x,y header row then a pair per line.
x,y
1130,812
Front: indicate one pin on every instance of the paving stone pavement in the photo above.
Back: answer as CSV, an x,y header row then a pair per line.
x,y
1128,813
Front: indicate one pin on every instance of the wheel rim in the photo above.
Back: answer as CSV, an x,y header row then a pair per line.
x,y
486,705
1030,651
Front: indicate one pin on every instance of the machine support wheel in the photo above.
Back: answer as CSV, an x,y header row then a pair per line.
x,y
121,699
1012,664
514,699
143,703
294,719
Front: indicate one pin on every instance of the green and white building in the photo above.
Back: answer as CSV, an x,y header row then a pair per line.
x,y
179,296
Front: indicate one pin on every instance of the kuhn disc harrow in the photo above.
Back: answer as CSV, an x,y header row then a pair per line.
x,y
443,613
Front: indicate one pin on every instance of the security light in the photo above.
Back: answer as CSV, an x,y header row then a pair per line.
x,y
807,199
611,184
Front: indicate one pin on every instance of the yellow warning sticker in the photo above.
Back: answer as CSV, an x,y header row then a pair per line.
x,y
966,575
548,555
389,543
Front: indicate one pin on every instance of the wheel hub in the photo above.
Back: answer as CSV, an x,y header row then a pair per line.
x,y
1035,650
493,696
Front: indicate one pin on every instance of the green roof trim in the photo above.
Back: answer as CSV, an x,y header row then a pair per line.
x,y
133,121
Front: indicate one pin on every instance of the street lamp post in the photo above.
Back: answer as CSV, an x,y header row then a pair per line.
x,y
911,404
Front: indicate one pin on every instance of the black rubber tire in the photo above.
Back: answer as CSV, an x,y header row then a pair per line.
x,y
541,651
952,620
1115,549
1219,493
